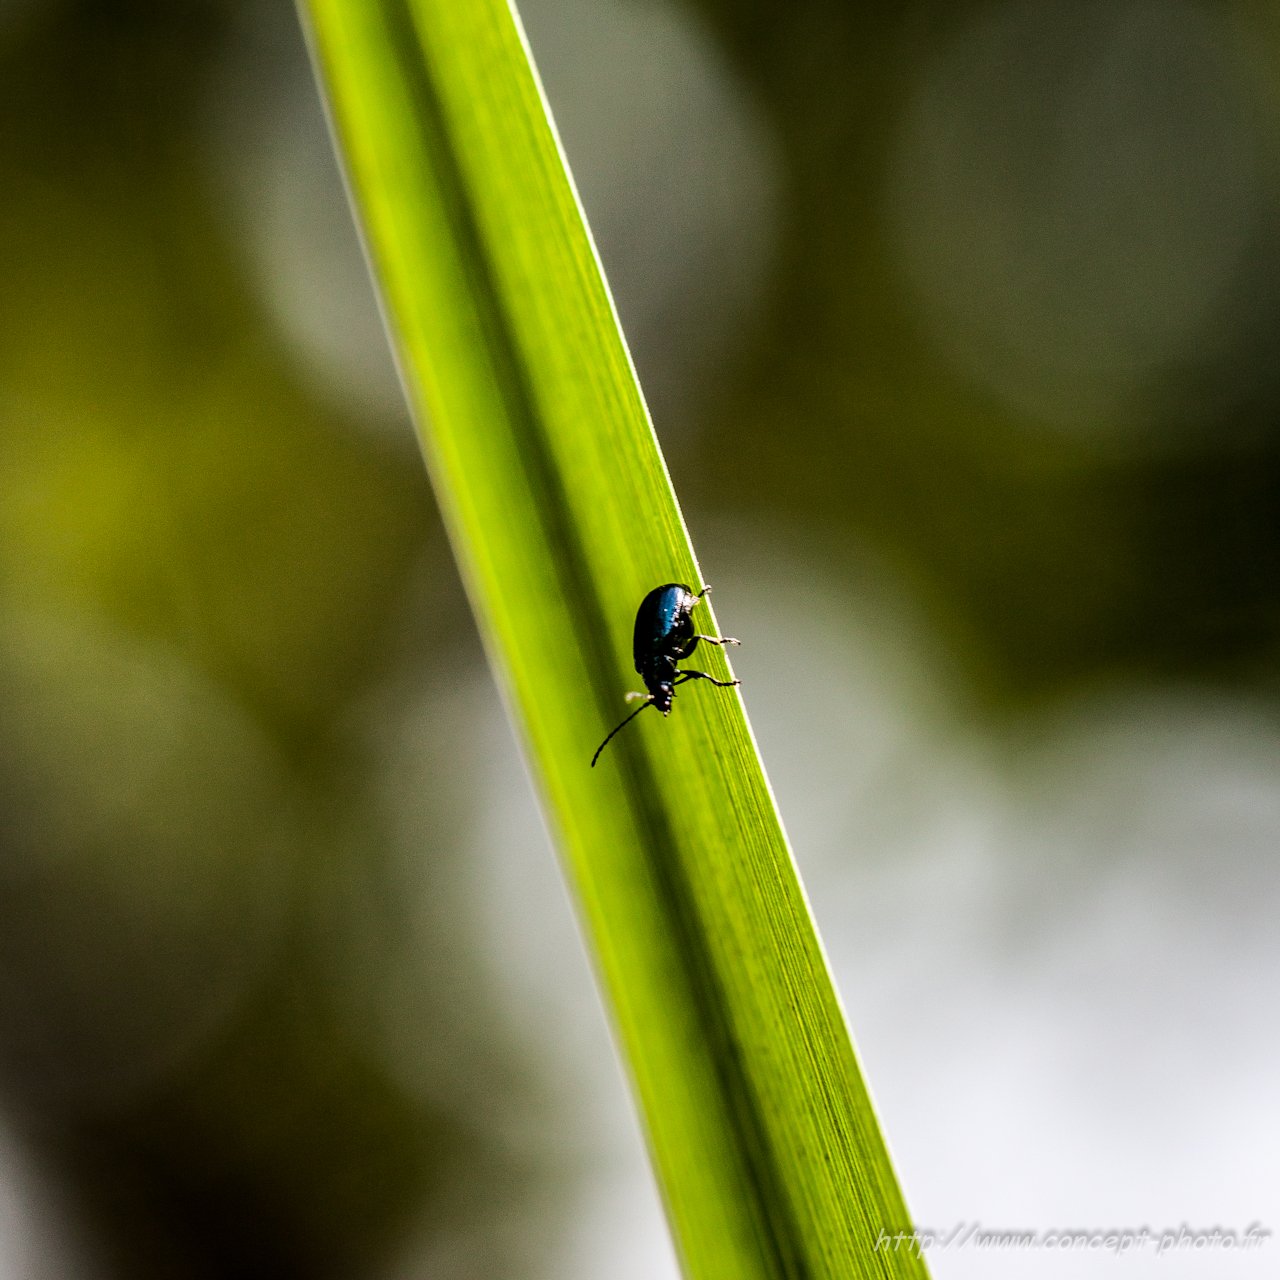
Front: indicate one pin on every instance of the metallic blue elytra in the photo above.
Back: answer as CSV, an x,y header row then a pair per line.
x,y
664,635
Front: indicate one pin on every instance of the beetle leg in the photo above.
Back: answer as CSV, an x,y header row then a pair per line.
x,y
686,649
702,675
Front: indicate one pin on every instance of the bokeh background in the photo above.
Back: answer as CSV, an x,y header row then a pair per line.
x,y
959,322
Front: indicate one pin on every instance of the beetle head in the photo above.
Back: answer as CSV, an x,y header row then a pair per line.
x,y
662,694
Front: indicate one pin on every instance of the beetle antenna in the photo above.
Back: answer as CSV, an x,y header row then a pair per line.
x,y
648,702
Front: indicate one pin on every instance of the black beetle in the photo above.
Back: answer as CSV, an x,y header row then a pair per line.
x,y
663,636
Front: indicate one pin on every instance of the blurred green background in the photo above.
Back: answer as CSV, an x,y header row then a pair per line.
x,y
959,324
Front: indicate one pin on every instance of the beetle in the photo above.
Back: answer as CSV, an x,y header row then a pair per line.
x,y
663,636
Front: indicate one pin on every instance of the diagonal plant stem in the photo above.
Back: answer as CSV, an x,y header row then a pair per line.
x,y
562,517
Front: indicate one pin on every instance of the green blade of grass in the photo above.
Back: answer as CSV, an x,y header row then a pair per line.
x,y
562,517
